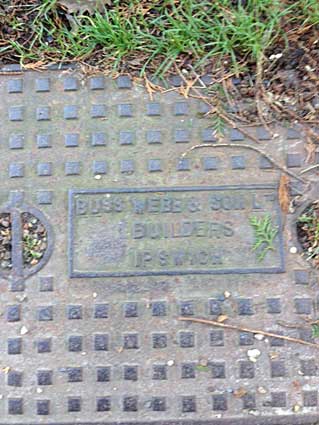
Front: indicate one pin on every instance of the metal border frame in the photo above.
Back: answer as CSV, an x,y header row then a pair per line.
x,y
79,274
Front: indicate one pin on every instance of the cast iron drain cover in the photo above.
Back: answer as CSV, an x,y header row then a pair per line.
x,y
140,234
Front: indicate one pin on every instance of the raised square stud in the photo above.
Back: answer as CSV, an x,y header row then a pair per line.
x,y
44,169
103,404
188,371
14,378
158,404
245,307
218,370
124,82
153,109
101,342
130,373
103,374
301,277
127,137
15,406
13,313
98,139
188,404
215,307
186,339
71,140
101,311
45,313
46,283
294,160
159,372
236,135
153,136
16,141
16,169
130,309
249,401
44,197
292,133
130,404
42,84
71,112
97,83
74,404
43,113
303,305
310,398
98,111
277,369
15,85
216,338
127,166
154,165
308,367
75,343
208,135
278,399
71,84
273,305
210,163
125,110
130,341
181,108
16,113
187,308
74,312
246,369
219,402
238,162
183,164
264,163
72,168
246,338
74,374
182,136
159,308
262,134
14,345
44,377
159,340
99,167
43,407
44,345
44,141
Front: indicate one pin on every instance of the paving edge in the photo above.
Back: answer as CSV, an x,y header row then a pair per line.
x,y
292,419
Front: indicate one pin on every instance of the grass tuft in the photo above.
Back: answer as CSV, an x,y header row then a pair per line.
x,y
151,35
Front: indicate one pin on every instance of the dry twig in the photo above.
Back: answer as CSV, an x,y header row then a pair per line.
x,y
254,148
244,329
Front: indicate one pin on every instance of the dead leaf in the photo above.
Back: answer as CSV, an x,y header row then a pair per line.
x,y
310,148
273,355
240,392
297,385
283,193
90,6
222,318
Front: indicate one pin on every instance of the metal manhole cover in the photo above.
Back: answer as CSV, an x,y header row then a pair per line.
x,y
143,235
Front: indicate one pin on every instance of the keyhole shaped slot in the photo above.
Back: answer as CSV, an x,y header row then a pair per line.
x,y
5,242
28,238
34,240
